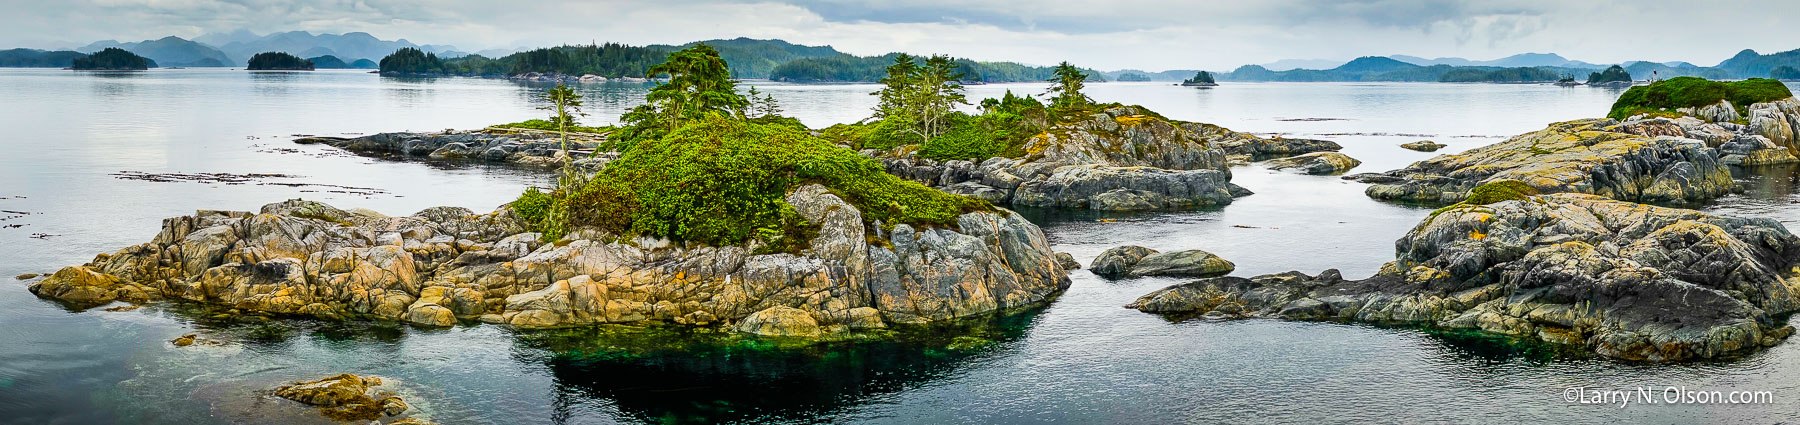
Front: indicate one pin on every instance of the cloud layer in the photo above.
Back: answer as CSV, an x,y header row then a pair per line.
x,y
1143,34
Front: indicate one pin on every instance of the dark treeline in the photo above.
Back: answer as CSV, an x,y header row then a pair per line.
x,y
33,58
279,61
113,59
848,68
748,58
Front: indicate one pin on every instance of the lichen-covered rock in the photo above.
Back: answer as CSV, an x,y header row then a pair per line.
x,y
1625,280
781,321
1132,261
1067,261
1596,156
1258,148
444,265
1423,146
1121,159
1316,163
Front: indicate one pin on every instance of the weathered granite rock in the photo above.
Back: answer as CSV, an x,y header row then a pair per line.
x,y
522,147
444,265
1259,148
1133,261
1316,163
1596,156
1626,280
345,397
1067,261
1121,159
1424,146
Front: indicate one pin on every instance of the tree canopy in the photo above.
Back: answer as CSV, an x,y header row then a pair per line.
x,y
699,84
268,61
1200,77
112,58
1065,86
1610,74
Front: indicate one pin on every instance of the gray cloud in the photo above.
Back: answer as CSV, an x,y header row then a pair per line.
x,y
1146,34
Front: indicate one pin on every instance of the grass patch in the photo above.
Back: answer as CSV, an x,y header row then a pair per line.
x,y
723,182
546,125
1503,190
1685,92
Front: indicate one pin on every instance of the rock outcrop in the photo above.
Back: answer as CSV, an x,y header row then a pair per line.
x,y
1595,156
447,265
345,397
1317,163
1423,146
1120,159
523,147
1626,280
1134,261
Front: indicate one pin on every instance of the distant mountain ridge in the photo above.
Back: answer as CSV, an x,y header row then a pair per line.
x,y
347,46
168,51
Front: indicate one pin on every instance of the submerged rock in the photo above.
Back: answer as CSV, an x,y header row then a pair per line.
x,y
1316,163
1133,261
1424,146
1596,156
1121,159
26,276
444,264
1626,280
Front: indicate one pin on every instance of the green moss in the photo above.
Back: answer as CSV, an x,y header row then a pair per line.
x,y
546,125
721,181
1693,92
1503,190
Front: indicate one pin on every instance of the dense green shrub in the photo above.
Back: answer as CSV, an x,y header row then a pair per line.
x,y
981,137
722,181
1684,92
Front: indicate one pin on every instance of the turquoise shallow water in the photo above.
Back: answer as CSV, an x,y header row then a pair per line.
x,y
1082,359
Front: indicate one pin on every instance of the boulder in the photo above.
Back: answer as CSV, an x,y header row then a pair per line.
x,y
345,397
1424,146
1316,163
780,321
1067,261
1626,280
1596,156
1133,261
445,265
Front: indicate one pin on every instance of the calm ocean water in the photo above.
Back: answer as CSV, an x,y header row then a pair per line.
x,y
79,144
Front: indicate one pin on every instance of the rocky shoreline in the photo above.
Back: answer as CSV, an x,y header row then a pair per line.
x,y
1658,160
1624,280
520,147
1122,159
445,266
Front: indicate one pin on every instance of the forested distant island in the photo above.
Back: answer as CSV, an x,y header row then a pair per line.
x,y
112,59
1746,64
749,58
279,61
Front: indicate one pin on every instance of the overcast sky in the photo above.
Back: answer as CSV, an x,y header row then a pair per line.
x,y
1114,34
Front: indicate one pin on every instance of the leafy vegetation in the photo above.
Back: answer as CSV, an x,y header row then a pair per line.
x,y
699,84
719,180
546,125
271,61
1684,92
112,58
917,98
1614,73
1065,87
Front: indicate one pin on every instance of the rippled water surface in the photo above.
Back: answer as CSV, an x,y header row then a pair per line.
x,y
73,170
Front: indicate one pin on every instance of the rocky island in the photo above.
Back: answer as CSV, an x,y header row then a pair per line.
x,y
837,256
1625,280
525,144
278,61
112,59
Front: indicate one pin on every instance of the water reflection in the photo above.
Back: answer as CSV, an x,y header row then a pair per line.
x,y
677,376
